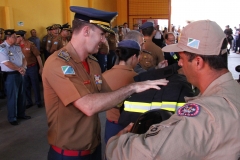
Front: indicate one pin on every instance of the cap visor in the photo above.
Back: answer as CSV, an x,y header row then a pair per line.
x,y
172,48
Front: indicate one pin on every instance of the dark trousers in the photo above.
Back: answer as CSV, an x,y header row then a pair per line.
x,y
111,129
102,60
15,95
111,58
31,81
96,155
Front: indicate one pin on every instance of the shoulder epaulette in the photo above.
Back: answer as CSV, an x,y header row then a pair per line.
x,y
2,45
64,55
93,58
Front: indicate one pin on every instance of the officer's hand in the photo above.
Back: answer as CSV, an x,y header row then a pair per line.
x,y
145,85
22,70
126,129
162,64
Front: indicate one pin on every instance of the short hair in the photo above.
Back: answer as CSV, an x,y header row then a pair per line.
x,y
124,54
77,25
166,35
216,62
133,35
148,31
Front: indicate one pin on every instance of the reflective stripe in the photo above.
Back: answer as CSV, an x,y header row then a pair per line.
x,y
170,106
137,106
142,107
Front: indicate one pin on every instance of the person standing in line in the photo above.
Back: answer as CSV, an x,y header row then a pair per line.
x,y
13,64
125,28
119,76
149,31
35,39
2,92
72,109
34,60
158,37
44,43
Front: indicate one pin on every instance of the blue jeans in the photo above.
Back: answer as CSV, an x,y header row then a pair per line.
x,y
15,95
96,155
111,129
31,80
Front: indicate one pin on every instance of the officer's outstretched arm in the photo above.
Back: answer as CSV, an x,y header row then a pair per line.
x,y
93,103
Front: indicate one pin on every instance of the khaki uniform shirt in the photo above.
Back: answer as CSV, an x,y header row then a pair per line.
x,y
30,52
213,133
118,76
65,80
56,44
49,43
156,53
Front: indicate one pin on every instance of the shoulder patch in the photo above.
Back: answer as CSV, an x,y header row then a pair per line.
x,y
93,58
68,70
64,55
189,110
2,45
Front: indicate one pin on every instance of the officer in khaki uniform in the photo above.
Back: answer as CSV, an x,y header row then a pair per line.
x,y
207,126
65,32
45,42
156,52
56,41
72,81
34,68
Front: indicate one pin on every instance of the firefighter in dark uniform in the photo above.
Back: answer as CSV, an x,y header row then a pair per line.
x,y
169,98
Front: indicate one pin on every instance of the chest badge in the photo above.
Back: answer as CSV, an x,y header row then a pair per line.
x,y
189,110
97,79
68,70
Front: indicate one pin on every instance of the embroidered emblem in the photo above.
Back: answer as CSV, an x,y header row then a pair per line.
x,y
193,43
64,55
68,70
153,130
55,43
2,45
97,79
189,110
93,58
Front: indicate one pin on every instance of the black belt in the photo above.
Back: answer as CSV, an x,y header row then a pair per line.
x,y
13,72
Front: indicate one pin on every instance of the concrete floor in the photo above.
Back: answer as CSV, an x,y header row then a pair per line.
x,y
28,141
